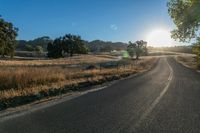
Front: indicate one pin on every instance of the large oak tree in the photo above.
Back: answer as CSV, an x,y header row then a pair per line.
x,y
8,35
68,44
186,16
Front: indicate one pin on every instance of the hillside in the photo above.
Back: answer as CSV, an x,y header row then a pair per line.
x,y
93,46
103,46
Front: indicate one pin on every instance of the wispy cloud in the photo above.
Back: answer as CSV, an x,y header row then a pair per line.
x,y
113,27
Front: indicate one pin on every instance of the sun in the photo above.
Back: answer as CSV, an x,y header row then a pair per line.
x,y
159,38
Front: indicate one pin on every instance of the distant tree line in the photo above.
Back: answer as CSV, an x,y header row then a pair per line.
x,y
92,46
38,44
137,49
8,34
67,45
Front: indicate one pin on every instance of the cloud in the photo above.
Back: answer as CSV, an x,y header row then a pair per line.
x,y
113,27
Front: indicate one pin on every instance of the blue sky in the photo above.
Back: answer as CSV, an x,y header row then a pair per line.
x,y
113,20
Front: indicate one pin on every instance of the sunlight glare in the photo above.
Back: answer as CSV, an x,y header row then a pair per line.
x,y
159,38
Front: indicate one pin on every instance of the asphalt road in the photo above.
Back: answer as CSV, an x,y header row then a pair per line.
x,y
163,100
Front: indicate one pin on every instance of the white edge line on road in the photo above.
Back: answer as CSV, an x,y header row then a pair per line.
x,y
28,109
44,105
157,100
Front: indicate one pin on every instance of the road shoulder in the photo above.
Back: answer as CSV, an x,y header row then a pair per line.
x,y
51,101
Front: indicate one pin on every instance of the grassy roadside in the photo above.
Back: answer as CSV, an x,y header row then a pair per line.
x,y
188,61
22,85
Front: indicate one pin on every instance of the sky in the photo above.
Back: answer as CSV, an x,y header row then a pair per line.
x,y
109,20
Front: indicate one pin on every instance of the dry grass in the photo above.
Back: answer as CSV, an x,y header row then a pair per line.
x,y
25,81
86,59
22,77
187,60
93,75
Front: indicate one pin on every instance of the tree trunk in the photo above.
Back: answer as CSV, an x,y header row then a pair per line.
x,y
137,57
71,54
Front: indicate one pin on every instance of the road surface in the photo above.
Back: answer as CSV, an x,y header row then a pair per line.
x,y
163,100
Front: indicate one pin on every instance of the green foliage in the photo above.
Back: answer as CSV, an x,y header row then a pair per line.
x,y
8,35
68,44
131,49
29,47
54,49
196,49
186,16
39,49
138,48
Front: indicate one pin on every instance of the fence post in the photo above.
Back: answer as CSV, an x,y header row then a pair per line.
x,y
117,67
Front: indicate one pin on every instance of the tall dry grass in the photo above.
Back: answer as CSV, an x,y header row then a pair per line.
x,y
188,61
26,77
86,59
22,81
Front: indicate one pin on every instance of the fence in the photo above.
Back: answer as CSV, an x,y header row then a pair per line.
x,y
112,65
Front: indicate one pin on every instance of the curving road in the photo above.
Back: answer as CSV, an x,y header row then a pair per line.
x,y
163,100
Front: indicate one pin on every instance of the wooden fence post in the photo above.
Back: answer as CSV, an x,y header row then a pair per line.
x,y
100,67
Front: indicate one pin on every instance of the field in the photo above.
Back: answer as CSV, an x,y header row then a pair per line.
x,y
188,60
86,59
24,81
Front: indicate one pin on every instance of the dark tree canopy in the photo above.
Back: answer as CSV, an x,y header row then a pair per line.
x,y
8,35
68,44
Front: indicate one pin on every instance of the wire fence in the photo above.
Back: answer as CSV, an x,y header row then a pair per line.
x,y
122,64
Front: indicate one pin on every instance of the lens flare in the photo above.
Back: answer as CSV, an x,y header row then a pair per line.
x,y
159,38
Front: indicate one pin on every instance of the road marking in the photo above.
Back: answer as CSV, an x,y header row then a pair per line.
x,y
157,100
39,107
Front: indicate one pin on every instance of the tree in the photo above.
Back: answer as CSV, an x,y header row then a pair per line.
x,y
138,48
29,47
73,44
196,50
39,49
68,44
131,49
8,35
186,16
55,49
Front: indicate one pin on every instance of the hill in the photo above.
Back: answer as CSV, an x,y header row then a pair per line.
x,y
93,46
105,46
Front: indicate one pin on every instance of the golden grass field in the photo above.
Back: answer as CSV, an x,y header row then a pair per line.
x,y
188,60
63,61
20,78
